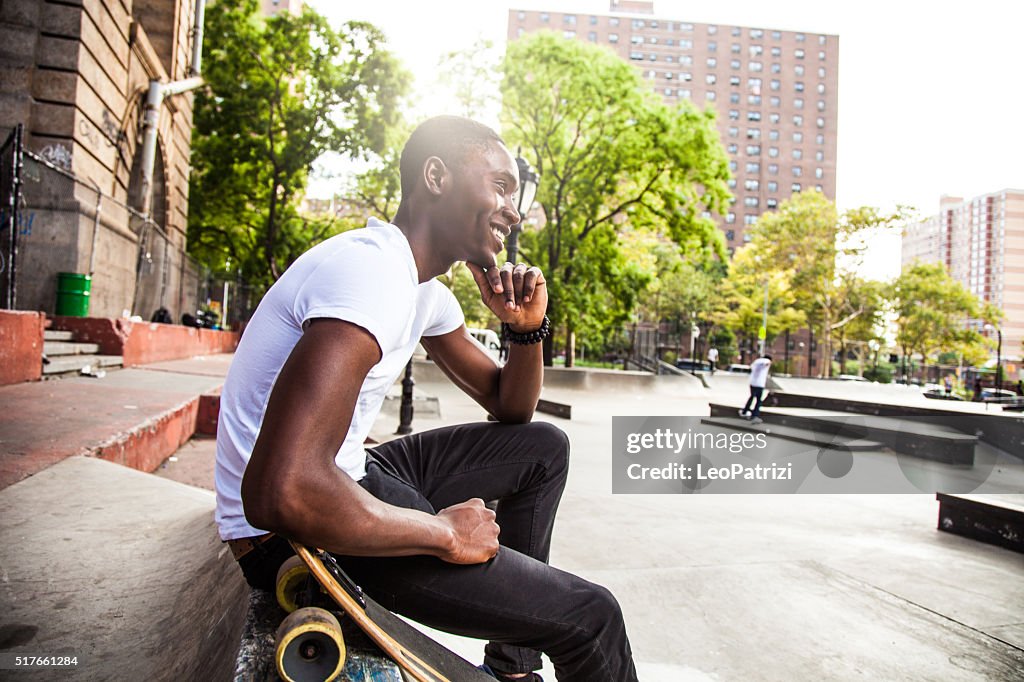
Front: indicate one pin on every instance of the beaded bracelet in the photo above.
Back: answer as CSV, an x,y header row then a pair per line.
x,y
528,338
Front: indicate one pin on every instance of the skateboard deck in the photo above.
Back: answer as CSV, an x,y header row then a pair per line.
x,y
419,657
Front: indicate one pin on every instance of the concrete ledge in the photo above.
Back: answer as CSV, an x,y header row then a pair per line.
x,y
147,445
142,343
21,346
122,569
995,519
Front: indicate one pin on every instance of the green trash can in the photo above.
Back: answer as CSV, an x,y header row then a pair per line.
x,y
73,294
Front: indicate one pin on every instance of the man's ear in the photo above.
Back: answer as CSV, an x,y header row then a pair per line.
x,y
435,175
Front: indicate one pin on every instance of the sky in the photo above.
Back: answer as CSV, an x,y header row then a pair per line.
x,y
930,94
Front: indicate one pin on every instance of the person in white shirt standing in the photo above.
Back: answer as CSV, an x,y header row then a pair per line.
x,y
758,379
712,358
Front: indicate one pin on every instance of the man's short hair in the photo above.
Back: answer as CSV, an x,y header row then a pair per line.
x,y
767,357
450,138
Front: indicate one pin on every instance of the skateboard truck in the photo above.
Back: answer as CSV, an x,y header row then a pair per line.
x,y
346,583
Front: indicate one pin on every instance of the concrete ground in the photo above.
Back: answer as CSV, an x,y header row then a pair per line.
x,y
759,587
713,587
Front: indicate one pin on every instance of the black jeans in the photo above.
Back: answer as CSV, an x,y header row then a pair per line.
x,y
755,393
518,602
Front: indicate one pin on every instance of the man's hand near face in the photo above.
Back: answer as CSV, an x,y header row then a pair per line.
x,y
516,294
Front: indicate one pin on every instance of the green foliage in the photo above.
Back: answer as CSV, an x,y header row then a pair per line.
x,y
280,92
612,157
932,312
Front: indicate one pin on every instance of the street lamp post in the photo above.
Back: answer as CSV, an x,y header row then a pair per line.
x,y
999,354
529,180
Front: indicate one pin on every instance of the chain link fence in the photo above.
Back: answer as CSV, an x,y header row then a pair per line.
x,y
52,222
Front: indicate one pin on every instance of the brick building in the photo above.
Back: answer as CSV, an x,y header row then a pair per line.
x,y
776,93
77,76
981,243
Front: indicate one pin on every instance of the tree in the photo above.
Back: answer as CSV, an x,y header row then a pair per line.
x,y
280,92
821,251
612,156
933,311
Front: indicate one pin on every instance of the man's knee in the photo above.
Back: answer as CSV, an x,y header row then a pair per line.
x,y
552,442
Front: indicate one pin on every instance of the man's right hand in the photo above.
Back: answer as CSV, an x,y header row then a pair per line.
x,y
474,530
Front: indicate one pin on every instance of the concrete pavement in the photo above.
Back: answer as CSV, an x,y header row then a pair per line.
x,y
713,587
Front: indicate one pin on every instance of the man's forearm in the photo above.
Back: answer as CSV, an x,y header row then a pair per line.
x,y
520,382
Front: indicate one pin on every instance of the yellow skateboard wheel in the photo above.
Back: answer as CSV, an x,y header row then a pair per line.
x,y
291,579
310,647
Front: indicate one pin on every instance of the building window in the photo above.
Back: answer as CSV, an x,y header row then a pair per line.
x,y
636,55
753,167
638,23
709,95
775,84
593,20
773,169
750,202
652,57
798,70
668,92
751,185
776,51
734,64
798,86
753,150
652,73
756,33
821,40
732,166
753,133
521,16
732,148
756,50
670,42
753,115
799,53
756,66
736,31
685,76
798,154
821,56
774,118
712,46
592,36
821,105
820,122
712,30
734,98
734,115
800,37
798,120
798,137
684,27
748,220
569,19
797,171
683,92
712,62
669,58
569,34
775,101
731,234
730,218
819,138
754,99
685,44
732,183
668,75
773,186
819,155
735,48
637,40
771,203
773,135
685,60
733,131
776,35
773,152
795,187
819,173
754,84
545,17
798,102
821,72
776,68
614,21
613,37
711,79
821,88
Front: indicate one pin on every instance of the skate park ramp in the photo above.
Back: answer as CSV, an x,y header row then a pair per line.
x,y
120,569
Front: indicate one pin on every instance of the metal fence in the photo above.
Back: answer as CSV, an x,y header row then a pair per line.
x,y
53,221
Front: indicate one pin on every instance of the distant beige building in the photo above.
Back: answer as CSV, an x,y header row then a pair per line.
x,y
776,93
981,243
77,76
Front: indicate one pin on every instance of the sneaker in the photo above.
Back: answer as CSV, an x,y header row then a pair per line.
x,y
743,414
756,420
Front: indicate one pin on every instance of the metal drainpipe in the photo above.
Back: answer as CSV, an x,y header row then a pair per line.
x,y
197,38
95,228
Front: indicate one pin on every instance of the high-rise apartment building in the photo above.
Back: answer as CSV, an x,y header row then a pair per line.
x,y
981,243
775,91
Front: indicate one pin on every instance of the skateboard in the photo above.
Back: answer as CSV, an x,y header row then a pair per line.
x,y
310,645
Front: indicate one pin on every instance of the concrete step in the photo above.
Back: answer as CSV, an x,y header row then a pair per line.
x,y
824,440
995,519
52,349
66,364
54,335
929,439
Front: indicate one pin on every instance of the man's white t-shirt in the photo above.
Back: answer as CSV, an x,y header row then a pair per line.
x,y
759,372
713,355
367,277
